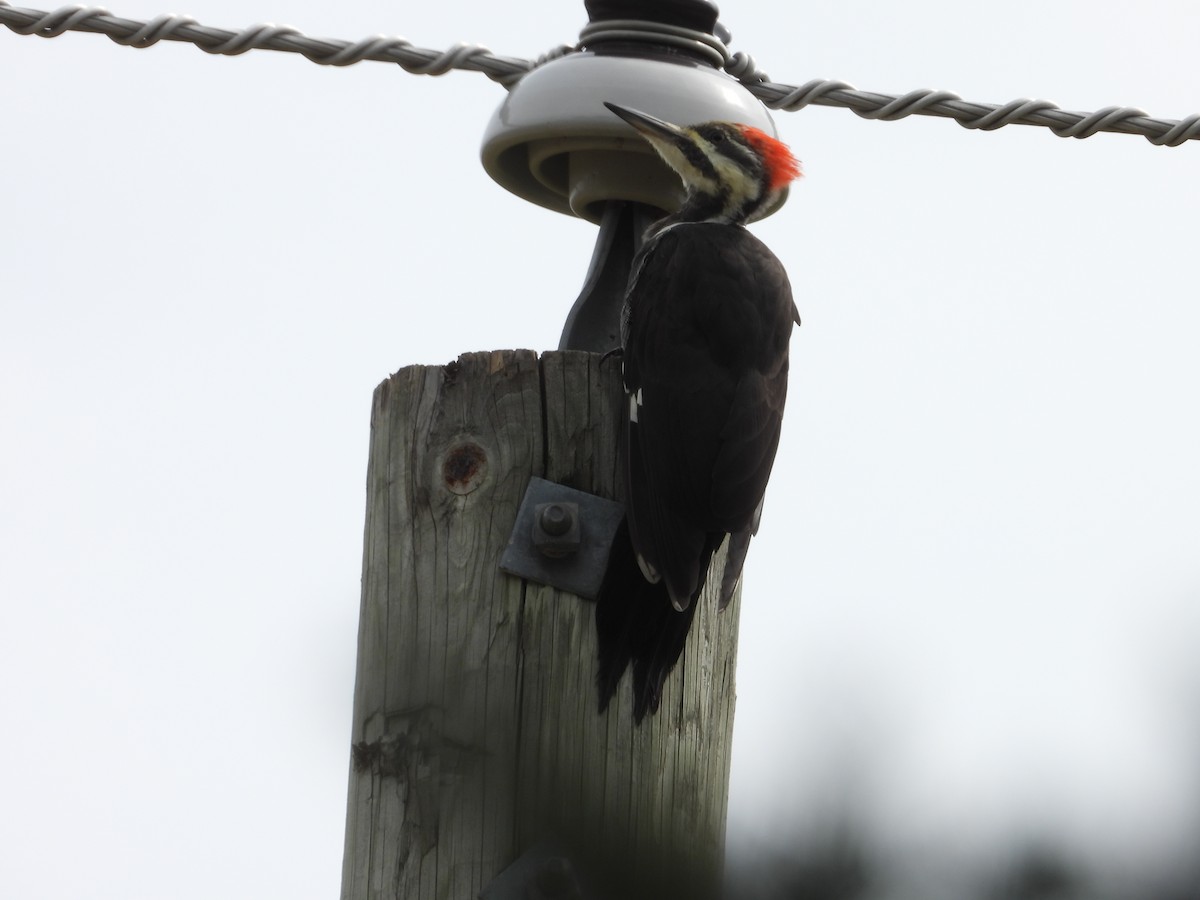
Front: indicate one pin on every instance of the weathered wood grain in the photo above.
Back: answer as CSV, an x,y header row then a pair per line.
x,y
475,726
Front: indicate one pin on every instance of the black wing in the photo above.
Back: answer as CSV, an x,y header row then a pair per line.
x,y
705,338
706,357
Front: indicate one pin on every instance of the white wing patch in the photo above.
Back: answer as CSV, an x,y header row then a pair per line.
x,y
635,403
648,570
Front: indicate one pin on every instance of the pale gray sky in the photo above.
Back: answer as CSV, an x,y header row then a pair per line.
x,y
973,613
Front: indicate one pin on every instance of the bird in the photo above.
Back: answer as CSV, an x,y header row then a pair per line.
x,y
705,326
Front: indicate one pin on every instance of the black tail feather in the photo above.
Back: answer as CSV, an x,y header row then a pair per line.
x,y
620,593
654,659
636,624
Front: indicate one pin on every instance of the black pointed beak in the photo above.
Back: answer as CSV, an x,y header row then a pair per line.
x,y
646,124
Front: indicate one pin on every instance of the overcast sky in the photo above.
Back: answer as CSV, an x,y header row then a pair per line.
x,y
973,614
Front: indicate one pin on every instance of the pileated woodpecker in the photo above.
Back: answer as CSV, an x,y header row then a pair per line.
x,y
705,327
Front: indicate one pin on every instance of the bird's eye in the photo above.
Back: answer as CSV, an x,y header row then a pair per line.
x,y
718,137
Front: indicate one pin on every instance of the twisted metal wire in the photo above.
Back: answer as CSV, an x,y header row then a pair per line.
x,y
980,116
508,71
323,51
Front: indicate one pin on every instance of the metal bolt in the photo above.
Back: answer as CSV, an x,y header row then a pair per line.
x,y
556,529
556,519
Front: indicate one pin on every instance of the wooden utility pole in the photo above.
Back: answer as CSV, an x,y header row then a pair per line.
x,y
475,733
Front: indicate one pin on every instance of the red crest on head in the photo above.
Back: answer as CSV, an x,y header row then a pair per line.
x,y
781,166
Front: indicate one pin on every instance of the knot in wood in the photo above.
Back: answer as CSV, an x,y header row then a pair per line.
x,y
464,467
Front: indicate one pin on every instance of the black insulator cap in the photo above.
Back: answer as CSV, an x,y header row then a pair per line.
x,y
698,15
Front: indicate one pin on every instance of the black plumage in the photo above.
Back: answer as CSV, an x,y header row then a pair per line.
x,y
707,319
705,368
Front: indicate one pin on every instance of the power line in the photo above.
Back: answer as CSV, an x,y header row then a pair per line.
x,y
509,70
980,116
324,51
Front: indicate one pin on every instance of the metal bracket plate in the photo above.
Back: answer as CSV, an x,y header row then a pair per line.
x,y
580,571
